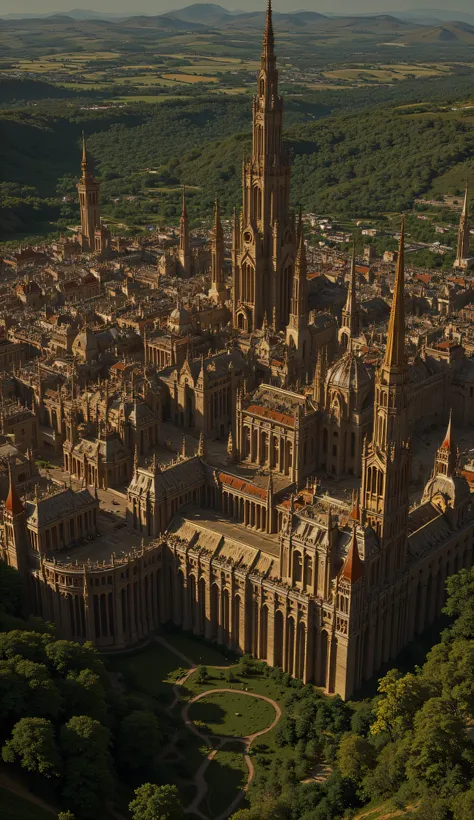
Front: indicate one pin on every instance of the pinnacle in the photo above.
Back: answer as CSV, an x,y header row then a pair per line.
x,y
395,351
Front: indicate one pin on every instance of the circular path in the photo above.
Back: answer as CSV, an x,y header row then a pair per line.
x,y
220,741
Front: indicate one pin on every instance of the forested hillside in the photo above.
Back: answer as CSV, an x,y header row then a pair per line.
x,y
355,153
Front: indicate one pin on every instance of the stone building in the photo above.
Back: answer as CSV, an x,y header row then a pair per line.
x,y
238,543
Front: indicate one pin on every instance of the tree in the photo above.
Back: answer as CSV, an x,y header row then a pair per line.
x,y
460,603
402,696
138,740
43,696
463,806
389,772
202,673
355,756
66,815
438,744
84,694
449,671
88,771
29,645
34,743
154,802
67,656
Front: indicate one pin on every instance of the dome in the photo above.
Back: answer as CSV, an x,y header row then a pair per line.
x,y
349,373
453,489
179,319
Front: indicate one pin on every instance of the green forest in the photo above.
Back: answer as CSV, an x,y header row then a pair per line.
x,y
356,152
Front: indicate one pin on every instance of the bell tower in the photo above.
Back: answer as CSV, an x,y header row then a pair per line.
x,y
88,189
264,252
386,460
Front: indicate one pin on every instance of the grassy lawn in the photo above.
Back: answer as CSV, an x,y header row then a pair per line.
x,y
231,714
225,775
195,649
152,670
14,807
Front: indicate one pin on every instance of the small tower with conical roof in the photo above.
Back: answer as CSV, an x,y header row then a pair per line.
x,y
88,189
184,254
15,547
350,315
218,290
447,454
463,259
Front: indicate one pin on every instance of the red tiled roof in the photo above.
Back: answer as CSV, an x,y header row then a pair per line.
x,y
243,486
274,415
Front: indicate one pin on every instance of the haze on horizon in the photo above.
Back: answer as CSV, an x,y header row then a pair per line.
x,y
160,6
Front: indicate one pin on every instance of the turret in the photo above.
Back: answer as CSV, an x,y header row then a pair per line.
x,y
218,290
184,245
350,314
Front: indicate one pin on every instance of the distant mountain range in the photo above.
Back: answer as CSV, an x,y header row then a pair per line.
x,y
424,26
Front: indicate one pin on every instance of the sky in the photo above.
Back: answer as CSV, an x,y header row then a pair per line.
x,y
159,6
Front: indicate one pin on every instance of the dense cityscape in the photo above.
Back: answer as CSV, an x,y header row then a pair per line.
x,y
263,442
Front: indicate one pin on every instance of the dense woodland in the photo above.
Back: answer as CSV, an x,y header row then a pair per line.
x,y
355,152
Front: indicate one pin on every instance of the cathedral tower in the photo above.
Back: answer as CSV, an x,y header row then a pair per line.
x,y
386,460
265,250
297,332
350,314
462,255
218,289
184,254
88,189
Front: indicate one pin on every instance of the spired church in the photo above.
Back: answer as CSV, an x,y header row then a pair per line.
x,y
244,549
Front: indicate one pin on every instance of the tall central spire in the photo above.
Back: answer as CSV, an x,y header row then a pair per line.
x,y
85,162
268,51
264,253
395,351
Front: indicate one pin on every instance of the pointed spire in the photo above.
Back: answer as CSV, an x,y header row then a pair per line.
x,y
13,504
85,162
395,350
447,455
352,569
135,461
464,238
447,443
465,207
355,512
184,211
268,37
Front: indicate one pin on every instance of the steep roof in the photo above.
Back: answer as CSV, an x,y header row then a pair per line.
x,y
352,569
